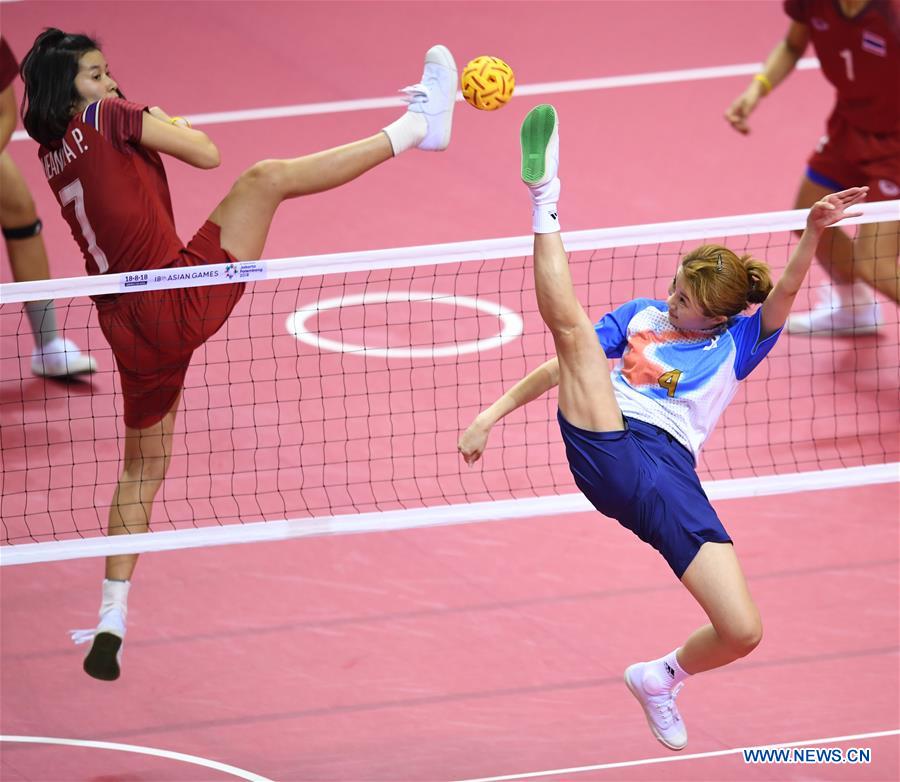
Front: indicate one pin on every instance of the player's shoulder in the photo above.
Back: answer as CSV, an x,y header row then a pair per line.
x,y
743,320
645,303
889,10
9,66
94,111
631,309
800,10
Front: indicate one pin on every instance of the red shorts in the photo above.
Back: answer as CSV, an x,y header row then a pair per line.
x,y
154,334
849,157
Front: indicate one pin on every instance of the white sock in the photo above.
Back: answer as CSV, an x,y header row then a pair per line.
x,y
115,595
665,673
114,607
545,216
406,132
42,317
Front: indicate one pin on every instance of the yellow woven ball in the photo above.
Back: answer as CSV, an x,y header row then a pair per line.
x,y
487,83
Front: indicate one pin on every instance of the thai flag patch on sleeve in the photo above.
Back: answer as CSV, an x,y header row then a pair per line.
x,y
874,44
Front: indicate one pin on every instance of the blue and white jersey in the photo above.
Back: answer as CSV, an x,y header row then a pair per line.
x,y
678,380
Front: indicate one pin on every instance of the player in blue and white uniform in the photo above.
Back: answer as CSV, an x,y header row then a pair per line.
x,y
632,434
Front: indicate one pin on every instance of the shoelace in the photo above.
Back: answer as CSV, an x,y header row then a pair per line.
x,y
82,636
415,93
665,705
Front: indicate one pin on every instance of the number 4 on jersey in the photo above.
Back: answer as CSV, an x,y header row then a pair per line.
x,y
669,380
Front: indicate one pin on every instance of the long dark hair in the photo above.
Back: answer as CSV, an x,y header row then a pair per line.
x,y
49,72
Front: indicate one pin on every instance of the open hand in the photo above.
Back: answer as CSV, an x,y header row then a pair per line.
x,y
833,208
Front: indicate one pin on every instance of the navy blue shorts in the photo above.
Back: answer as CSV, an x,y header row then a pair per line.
x,y
645,479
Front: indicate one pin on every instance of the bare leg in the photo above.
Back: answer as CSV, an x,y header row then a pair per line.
x,y
835,252
877,251
147,456
53,356
871,258
586,396
27,257
246,212
716,581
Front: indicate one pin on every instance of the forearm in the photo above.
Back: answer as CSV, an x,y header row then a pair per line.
x,y
781,62
801,259
534,384
160,133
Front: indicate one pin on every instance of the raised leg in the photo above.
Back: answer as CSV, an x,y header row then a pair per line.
x,y
246,212
586,396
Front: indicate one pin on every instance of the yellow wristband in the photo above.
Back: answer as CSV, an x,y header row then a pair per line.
x,y
764,80
180,121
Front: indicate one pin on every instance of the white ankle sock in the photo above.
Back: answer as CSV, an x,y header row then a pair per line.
x,y
115,595
666,671
42,317
545,219
545,216
406,132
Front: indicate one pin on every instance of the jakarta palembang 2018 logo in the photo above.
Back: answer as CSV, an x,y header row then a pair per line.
x,y
231,271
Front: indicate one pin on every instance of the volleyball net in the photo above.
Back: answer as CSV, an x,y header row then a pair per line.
x,y
333,398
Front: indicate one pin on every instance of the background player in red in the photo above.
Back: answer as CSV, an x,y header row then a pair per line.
x,y
858,45
53,356
100,154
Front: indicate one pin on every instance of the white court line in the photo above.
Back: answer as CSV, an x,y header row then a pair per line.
x,y
511,328
160,753
675,758
543,88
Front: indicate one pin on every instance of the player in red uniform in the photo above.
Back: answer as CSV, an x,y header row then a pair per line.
x,y
53,356
101,156
858,45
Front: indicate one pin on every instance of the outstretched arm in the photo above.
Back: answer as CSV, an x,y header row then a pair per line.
x,y
779,64
536,383
830,210
176,138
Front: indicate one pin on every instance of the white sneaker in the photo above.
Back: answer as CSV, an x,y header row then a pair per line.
x,y
104,660
658,703
540,146
435,97
833,316
61,358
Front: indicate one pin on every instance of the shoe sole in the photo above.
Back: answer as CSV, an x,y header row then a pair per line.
x,y
102,661
653,729
88,369
537,132
440,55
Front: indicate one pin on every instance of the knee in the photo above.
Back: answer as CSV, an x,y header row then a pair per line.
x,y
267,177
743,636
148,472
18,211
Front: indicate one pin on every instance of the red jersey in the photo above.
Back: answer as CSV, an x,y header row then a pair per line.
x,y
9,68
112,191
859,56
